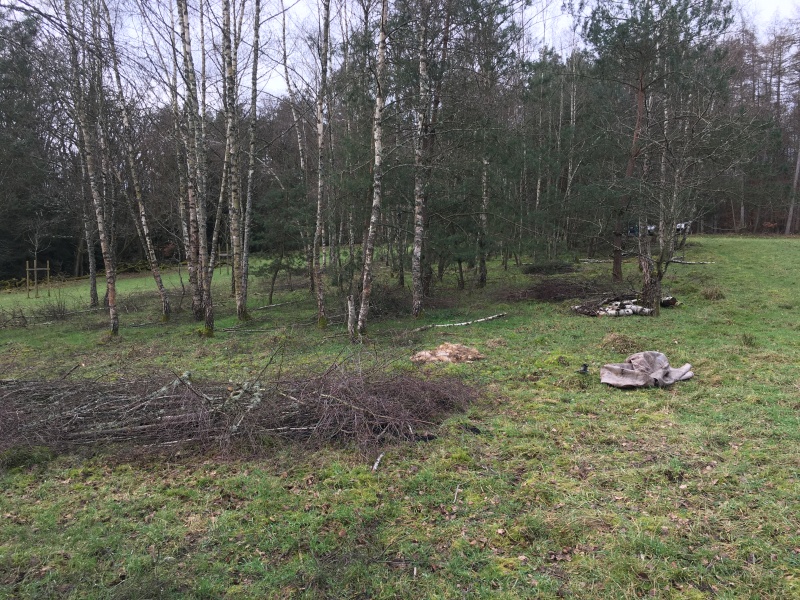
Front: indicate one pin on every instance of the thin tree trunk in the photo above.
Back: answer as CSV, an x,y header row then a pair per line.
x,y
793,201
420,171
232,150
322,319
616,273
87,148
196,201
251,166
89,235
484,230
143,229
377,174
292,96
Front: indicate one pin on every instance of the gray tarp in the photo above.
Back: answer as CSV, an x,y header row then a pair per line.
x,y
644,369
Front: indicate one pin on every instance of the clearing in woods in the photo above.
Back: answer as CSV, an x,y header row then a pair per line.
x,y
541,482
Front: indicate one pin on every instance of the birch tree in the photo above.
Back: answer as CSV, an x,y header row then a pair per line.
x,y
321,122
88,142
377,172
193,135
142,226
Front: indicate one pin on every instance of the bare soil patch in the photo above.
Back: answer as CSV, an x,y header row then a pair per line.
x,y
558,289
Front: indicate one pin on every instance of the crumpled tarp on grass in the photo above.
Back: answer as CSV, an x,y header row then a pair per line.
x,y
644,369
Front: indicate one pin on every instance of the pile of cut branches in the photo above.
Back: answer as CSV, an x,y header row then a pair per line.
x,y
366,408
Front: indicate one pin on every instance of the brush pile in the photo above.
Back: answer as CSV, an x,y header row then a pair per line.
x,y
366,408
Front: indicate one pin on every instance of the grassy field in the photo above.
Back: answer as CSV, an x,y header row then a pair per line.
x,y
551,485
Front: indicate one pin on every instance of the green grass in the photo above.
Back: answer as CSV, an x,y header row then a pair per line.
x,y
552,485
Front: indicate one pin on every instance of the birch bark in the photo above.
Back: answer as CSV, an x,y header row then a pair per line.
x,y
143,227
322,92
85,140
377,174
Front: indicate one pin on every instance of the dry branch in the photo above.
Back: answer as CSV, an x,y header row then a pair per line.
x,y
692,262
426,327
268,306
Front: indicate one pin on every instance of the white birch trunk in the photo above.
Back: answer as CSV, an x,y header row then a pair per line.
x,y
85,141
196,169
321,117
251,166
377,175
146,238
420,172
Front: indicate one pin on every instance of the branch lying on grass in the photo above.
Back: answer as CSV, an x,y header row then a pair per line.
x,y
276,305
692,262
426,327
68,373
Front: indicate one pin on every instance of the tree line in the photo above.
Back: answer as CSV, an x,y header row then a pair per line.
x,y
438,132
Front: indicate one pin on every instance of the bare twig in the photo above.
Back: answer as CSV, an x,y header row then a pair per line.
x,y
68,373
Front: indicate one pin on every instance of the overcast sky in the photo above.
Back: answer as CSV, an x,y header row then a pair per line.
x,y
765,11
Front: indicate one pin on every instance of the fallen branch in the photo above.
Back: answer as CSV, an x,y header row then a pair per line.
x,y
274,305
692,262
68,373
426,327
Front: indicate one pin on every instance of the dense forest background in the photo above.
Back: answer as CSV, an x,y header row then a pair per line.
x,y
443,132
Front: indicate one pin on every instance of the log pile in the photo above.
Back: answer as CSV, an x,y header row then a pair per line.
x,y
623,308
620,307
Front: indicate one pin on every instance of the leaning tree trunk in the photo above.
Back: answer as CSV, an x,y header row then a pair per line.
x,y
142,227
